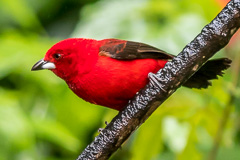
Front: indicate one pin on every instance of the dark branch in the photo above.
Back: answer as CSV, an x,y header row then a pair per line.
x,y
213,37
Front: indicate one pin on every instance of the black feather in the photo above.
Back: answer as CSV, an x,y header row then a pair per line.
x,y
209,71
128,50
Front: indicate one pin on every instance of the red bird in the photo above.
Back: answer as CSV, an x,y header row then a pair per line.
x,y
109,72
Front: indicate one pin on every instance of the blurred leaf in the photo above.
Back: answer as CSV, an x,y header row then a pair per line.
x,y
148,140
16,132
21,13
56,133
230,153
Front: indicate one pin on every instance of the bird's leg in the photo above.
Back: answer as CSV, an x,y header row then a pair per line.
x,y
154,81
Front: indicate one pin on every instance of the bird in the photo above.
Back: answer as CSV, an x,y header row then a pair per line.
x,y
109,72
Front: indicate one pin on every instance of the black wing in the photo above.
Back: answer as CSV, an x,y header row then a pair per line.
x,y
128,50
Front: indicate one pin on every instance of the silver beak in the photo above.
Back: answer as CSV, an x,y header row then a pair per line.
x,y
43,65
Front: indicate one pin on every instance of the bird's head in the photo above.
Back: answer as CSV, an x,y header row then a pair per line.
x,y
66,57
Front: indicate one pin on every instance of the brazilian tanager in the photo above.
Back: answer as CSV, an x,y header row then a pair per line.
x,y
110,72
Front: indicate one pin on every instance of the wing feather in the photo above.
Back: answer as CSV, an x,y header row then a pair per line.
x,y
128,50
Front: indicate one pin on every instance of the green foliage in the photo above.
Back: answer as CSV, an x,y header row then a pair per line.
x,y
40,118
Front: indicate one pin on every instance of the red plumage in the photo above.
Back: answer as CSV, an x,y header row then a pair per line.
x,y
108,72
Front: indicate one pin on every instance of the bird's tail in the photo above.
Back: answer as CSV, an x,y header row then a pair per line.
x,y
209,71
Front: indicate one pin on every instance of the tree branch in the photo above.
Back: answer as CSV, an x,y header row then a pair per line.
x,y
212,38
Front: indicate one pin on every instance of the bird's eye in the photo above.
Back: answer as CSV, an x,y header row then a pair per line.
x,y
57,56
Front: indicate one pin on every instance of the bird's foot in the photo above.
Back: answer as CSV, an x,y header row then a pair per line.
x,y
154,81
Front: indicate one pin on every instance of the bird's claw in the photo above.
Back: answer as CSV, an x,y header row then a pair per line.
x,y
154,81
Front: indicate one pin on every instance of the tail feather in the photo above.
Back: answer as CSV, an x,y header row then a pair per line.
x,y
209,71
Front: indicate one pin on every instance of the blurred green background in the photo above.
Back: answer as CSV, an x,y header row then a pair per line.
x,y
41,119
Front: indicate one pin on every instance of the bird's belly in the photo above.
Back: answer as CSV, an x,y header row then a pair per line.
x,y
112,83
113,95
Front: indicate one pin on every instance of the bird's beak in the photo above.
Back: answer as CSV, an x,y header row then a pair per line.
x,y
43,65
